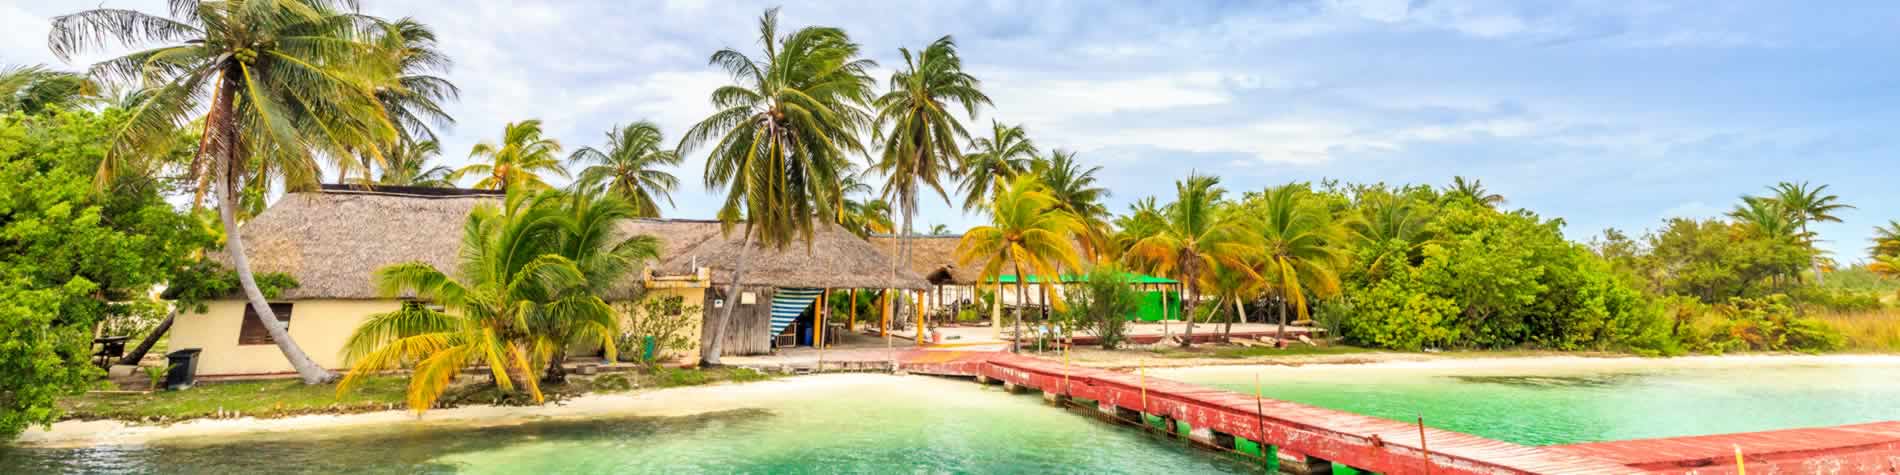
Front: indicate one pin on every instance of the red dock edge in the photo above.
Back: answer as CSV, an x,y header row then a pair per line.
x,y
1390,447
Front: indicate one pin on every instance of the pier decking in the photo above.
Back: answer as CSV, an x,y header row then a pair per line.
x,y
1319,435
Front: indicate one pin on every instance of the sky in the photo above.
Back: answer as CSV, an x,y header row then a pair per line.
x,y
1604,113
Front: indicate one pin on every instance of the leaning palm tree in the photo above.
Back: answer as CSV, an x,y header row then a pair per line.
x,y
920,134
407,164
630,167
1474,191
281,83
993,161
1190,242
779,136
1805,205
518,160
1027,232
1075,190
34,89
507,277
1295,250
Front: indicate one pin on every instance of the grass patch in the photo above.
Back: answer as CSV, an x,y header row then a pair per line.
x,y
1238,352
674,377
1874,331
273,398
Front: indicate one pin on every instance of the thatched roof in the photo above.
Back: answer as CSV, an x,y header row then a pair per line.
x,y
333,240
933,257
834,258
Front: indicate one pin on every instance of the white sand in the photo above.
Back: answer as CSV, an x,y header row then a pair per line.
x,y
657,403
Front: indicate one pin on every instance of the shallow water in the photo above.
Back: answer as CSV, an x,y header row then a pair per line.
x,y
1588,401
879,425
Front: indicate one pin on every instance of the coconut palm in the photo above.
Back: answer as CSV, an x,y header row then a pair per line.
x,y
1075,191
1027,232
993,161
1474,191
414,95
1190,242
779,136
505,280
921,136
630,167
280,83
1805,204
1887,239
1295,250
867,217
1885,265
1144,218
34,89
938,230
589,237
1766,218
1394,228
407,164
518,160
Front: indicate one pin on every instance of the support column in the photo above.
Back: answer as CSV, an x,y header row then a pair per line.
x,y
1307,465
917,318
1054,397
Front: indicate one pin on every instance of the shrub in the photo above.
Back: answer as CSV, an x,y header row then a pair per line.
x,y
1103,305
665,318
1390,316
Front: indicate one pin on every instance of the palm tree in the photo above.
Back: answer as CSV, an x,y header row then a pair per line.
x,y
938,230
1295,249
919,133
1190,241
34,89
506,280
412,97
407,164
517,161
1144,218
1886,265
281,83
1028,232
1393,227
630,168
993,161
589,237
1887,239
1805,205
779,137
867,217
1766,218
1075,191
1474,191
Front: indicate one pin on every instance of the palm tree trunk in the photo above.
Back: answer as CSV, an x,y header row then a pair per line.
x,y
1815,260
1022,300
1281,333
1228,332
145,345
557,371
709,352
1187,336
308,369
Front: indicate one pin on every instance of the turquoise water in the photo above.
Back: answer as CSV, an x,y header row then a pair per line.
x,y
1601,400
863,424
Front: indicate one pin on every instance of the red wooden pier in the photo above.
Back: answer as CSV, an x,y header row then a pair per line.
x,y
1318,435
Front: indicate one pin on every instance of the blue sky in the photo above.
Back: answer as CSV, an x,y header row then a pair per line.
x,y
1604,113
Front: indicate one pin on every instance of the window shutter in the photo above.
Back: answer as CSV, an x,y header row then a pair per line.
x,y
253,332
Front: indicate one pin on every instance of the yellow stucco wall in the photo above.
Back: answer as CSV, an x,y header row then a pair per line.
x,y
694,297
319,326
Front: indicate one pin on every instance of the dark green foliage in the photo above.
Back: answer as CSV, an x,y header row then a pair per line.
x,y
665,318
71,258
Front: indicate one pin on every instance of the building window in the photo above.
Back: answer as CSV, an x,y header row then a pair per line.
x,y
253,332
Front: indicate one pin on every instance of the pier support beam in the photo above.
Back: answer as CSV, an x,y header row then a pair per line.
x,y
984,380
1203,435
1054,398
1012,388
1307,465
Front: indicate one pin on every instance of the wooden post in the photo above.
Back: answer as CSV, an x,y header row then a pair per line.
x,y
884,324
852,325
1425,451
824,300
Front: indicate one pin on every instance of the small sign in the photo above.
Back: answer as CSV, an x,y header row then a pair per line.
x,y
748,298
719,303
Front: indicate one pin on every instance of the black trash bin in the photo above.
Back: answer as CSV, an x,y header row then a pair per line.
x,y
183,371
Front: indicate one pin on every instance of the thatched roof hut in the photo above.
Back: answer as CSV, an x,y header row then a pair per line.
x,y
333,240
933,257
